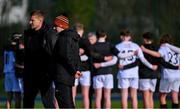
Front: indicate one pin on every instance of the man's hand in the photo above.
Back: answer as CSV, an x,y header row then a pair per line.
x,y
154,67
97,65
78,74
136,52
81,51
108,58
120,66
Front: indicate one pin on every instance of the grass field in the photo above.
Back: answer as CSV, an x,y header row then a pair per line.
x,y
115,104
115,101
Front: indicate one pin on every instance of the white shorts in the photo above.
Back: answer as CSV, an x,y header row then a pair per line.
x,y
85,80
147,84
124,83
103,81
167,85
12,84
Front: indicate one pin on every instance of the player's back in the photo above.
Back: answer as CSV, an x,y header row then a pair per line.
x,y
171,57
127,47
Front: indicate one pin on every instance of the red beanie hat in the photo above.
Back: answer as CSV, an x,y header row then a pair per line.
x,y
61,21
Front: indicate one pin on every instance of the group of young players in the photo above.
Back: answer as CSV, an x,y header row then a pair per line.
x,y
137,67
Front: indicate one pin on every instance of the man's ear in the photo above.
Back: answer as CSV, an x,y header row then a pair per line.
x,y
41,19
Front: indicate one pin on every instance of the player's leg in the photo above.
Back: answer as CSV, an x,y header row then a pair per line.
x,y
175,92
98,97
85,94
74,92
134,82
56,103
85,85
108,85
9,96
107,98
133,93
123,85
147,86
17,89
151,100
175,101
164,89
146,99
152,90
18,99
8,90
98,85
55,100
162,99
144,87
124,98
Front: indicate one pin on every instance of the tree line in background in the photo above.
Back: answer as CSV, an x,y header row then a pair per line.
x,y
157,16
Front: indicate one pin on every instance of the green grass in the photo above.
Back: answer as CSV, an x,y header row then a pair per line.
x,y
115,104
38,104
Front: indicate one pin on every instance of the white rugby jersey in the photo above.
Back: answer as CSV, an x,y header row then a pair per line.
x,y
127,47
173,58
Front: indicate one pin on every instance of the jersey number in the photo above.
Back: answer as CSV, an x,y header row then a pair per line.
x,y
131,58
173,58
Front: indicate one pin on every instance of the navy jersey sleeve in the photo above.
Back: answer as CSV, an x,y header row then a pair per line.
x,y
167,65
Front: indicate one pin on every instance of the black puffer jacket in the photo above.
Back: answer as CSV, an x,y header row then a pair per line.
x,y
38,53
66,57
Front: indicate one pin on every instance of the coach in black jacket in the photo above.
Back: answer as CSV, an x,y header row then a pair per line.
x,y
37,66
67,61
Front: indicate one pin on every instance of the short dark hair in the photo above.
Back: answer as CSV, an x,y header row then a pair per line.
x,y
125,32
100,33
148,35
166,38
79,26
38,13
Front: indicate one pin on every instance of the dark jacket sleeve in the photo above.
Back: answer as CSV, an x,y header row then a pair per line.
x,y
70,56
50,40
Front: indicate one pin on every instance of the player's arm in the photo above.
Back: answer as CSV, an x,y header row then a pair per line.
x,y
126,55
151,52
144,61
128,66
173,48
107,63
